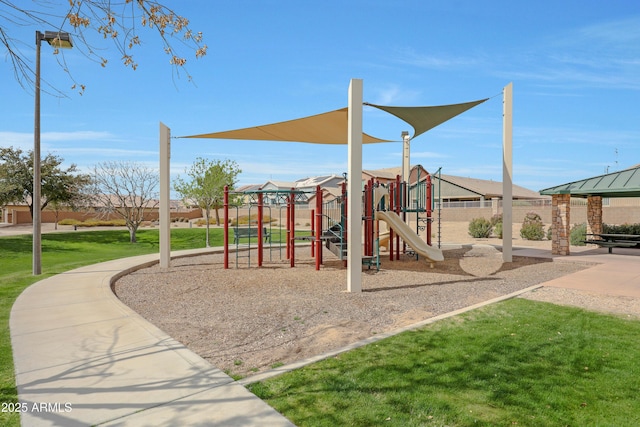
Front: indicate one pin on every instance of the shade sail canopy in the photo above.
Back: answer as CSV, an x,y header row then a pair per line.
x,y
325,128
423,119
625,183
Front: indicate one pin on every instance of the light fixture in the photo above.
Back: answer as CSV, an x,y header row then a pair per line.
x,y
58,39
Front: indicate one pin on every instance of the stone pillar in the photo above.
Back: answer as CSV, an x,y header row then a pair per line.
x,y
495,206
594,215
560,220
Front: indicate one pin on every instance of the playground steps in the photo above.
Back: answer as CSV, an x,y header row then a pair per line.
x,y
338,249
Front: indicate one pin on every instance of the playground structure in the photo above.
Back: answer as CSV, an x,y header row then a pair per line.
x,y
345,126
397,204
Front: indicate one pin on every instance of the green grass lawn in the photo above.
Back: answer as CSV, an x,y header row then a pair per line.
x,y
519,363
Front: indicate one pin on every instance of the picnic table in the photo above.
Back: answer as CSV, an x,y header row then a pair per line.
x,y
611,240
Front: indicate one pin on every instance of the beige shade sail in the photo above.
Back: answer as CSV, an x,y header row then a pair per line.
x,y
423,119
325,128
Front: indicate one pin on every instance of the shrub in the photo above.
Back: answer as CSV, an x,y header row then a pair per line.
x,y
480,228
68,221
497,230
246,220
202,222
496,223
94,222
621,229
532,227
550,232
577,234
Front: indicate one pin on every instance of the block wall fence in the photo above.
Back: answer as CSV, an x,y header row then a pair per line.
x,y
610,214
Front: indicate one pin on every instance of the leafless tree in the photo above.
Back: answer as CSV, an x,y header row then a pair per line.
x,y
126,189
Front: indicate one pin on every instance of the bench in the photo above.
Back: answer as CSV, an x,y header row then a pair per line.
x,y
247,232
610,244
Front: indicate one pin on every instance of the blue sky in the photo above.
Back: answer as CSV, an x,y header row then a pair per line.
x,y
574,65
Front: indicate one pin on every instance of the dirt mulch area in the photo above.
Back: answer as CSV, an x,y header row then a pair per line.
x,y
245,320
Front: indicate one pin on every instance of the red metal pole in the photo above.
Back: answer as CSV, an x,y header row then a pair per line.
x,y
398,211
392,191
260,233
365,214
429,204
293,229
288,234
318,222
345,196
313,233
226,227
370,214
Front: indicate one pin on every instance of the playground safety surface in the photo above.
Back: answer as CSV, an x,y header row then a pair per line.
x,y
245,320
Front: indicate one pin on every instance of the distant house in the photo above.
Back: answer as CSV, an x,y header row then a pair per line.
x,y
455,191
276,192
383,176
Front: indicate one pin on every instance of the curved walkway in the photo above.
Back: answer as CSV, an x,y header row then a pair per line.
x,y
84,358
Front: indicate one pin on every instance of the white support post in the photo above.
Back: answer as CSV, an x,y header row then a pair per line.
x,y
507,174
406,154
354,189
165,196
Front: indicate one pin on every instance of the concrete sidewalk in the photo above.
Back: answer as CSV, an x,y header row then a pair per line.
x,y
616,274
84,358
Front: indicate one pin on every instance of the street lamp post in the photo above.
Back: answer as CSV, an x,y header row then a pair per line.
x,y
57,40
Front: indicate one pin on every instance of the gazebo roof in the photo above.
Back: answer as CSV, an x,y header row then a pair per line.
x,y
625,183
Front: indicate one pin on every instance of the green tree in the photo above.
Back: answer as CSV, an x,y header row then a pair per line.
x,y
127,190
119,23
59,186
205,187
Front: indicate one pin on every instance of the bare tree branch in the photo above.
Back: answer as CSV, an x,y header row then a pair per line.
x,y
118,23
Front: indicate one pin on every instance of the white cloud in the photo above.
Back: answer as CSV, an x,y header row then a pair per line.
x,y
426,155
394,94
77,136
602,55
107,152
410,57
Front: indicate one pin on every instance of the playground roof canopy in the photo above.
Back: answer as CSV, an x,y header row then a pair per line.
x,y
332,127
423,119
625,183
325,128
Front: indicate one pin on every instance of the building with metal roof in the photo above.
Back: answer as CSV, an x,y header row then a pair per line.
x,y
625,183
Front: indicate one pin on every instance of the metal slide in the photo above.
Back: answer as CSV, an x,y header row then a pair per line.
x,y
410,236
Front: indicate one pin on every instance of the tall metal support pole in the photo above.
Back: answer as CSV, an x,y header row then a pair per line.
x,y
317,220
354,188
428,205
225,229
507,174
292,235
318,227
165,196
260,228
36,203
